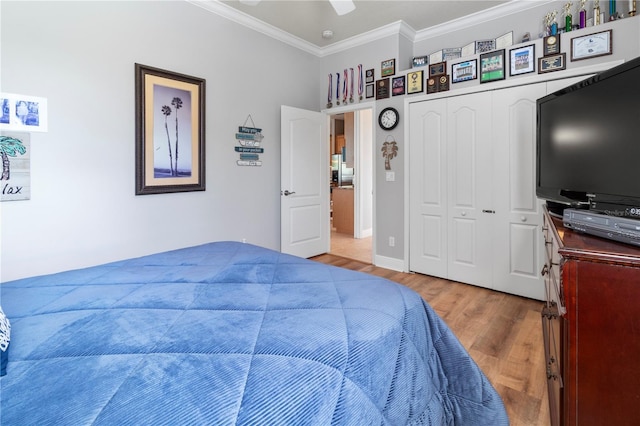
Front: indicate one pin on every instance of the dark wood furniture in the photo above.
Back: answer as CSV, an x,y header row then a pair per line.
x,y
591,328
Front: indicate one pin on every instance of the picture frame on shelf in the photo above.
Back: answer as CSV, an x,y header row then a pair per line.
x,y
451,53
591,45
398,85
415,82
439,68
173,161
492,66
369,76
483,46
464,71
522,60
383,91
551,45
420,61
388,68
552,63
369,91
504,40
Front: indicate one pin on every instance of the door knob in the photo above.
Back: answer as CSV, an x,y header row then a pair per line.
x,y
286,192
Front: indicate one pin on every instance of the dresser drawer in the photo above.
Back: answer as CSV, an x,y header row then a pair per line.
x,y
552,269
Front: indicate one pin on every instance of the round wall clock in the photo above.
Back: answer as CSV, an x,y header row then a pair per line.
x,y
388,118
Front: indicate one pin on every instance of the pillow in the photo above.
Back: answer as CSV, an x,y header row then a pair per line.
x,y
5,338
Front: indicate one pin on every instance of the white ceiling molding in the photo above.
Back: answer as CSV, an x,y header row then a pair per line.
x,y
515,6
396,28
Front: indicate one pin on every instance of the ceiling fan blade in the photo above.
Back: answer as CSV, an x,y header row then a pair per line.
x,y
342,7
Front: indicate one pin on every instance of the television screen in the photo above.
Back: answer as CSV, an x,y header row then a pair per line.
x,y
588,139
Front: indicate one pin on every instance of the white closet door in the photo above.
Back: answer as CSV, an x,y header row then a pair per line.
x,y
470,203
518,248
427,187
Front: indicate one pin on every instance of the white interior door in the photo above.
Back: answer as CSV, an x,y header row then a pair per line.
x,y
519,248
304,182
470,203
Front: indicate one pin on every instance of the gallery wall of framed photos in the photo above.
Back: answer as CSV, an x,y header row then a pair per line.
x,y
485,60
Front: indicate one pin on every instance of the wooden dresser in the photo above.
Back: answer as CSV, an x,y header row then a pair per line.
x,y
591,328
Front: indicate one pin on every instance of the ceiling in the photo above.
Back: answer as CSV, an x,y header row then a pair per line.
x,y
307,19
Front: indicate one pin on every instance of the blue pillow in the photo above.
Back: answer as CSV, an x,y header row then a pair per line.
x,y
5,339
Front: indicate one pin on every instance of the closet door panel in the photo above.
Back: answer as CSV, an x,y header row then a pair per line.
x,y
518,215
469,189
427,188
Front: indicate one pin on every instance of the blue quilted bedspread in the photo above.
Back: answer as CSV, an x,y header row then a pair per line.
x,y
233,334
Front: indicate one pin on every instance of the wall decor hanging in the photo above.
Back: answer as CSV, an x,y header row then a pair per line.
x,y
15,180
389,151
522,60
23,113
492,66
170,132
249,138
415,82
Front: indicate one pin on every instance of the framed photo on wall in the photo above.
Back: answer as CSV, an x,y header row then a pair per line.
x,y
388,67
522,60
592,45
415,82
552,63
383,90
398,85
369,76
369,91
492,66
464,71
170,148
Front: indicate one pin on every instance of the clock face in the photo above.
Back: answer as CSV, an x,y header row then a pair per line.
x,y
388,118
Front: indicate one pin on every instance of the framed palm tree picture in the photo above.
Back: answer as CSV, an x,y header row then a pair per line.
x,y
170,147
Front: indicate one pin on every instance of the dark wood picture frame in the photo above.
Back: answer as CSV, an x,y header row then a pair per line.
x,y
170,131
383,88
398,85
592,45
552,63
388,68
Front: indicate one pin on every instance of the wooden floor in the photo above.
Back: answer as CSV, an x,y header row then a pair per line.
x,y
502,333
354,248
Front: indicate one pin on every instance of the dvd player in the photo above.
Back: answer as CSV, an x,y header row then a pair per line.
x,y
615,228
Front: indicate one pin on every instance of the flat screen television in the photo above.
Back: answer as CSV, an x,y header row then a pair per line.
x,y
588,143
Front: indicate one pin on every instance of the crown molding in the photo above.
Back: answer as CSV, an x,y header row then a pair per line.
x,y
496,12
396,28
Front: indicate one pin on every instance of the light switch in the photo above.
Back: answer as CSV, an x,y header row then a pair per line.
x,y
391,176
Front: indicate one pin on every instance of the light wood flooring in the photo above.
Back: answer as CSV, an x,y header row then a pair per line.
x,y
502,333
352,248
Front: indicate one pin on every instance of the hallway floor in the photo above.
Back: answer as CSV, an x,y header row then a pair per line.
x,y
345,245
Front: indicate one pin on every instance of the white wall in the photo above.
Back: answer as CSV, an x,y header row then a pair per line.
x,y
80,56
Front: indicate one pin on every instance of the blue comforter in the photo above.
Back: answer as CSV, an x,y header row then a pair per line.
x,y
233,334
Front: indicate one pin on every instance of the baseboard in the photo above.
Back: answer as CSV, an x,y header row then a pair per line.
x,y
389,263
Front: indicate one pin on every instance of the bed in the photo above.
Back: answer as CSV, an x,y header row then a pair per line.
x,y
229,333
